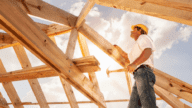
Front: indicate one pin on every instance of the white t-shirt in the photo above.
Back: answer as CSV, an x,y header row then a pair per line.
x,y
141,43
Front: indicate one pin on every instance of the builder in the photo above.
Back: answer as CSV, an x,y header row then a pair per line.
x,y
141,64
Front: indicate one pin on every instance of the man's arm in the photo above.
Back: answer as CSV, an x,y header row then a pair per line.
x,y
142,58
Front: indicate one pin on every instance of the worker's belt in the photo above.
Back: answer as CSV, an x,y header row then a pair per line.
x,y
143,66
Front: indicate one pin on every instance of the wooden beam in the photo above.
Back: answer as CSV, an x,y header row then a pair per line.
x,y
35,86
85,64
181,5
102,43
186,87
69,53
71,43
79,102
169,98
48,12
84,12
129,82
161,11
85,52
51,30
11,92
5,39
3,102
127,75
183,92
29,34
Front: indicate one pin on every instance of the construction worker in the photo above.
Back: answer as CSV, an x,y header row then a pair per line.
x,y
141,64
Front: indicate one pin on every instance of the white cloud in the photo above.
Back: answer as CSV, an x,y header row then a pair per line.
x,y
76,8
94,12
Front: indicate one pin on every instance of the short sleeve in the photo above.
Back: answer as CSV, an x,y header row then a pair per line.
x,y
145,42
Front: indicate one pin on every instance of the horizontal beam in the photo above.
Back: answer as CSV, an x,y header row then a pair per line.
x,y
79,102
51,30
178,4
85,64
160,9
26,32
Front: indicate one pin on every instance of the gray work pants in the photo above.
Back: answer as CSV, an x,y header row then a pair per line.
x,y
143,94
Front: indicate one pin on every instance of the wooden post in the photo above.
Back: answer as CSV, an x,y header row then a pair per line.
x,y
69,53
85,52
3,102
25,63
9,88
84,12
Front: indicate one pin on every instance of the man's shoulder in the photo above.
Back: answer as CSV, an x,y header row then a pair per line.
x,y
144,37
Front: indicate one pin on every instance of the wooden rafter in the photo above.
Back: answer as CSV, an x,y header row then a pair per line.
x,y
178,4
69,53
3,102
11,92
156,8
51,30
79,102
102,43
85,64
169,98
84,12
179,11
48,12
29,35
36,88
174,88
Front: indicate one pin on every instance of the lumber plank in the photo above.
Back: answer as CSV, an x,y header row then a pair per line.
x,y
3,102
51,30
48,12
30,73
11,92
182,92
129,82
85,64
69,53
169,98
181,5
37,72
35,86
127,75
29,34
5,39
151,9
103,44
81,102
89,4
85,52
71,44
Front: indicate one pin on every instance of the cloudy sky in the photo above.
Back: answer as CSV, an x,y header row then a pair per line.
x,y
173,50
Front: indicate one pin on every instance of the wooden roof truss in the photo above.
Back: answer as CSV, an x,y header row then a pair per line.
x,y
38,38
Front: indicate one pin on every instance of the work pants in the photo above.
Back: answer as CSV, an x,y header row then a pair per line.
x,y
143,95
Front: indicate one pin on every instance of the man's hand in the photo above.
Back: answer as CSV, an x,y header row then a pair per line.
x,y
131,67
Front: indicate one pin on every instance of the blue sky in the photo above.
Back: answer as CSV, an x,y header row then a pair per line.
x,y
173,53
